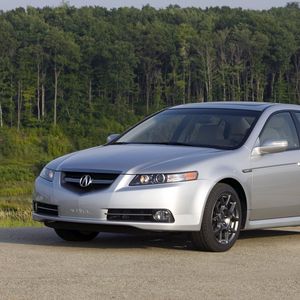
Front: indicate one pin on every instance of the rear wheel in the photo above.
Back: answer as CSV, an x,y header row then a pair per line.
x,y
221,221
75,235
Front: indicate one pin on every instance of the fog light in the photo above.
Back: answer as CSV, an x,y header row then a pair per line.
x,y
163,216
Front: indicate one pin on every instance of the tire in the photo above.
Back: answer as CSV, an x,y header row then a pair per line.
x,y
221,221
75,235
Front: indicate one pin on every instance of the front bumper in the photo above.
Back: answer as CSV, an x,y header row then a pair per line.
x,y
185,200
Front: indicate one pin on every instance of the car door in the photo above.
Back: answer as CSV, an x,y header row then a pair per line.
x,y
276,176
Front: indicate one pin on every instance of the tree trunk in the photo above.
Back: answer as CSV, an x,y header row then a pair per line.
x,y
238,87
174,84
189,83
297,87
198,92
11,102
287,79
90,93
252,88
148,84
1,116
258,90
262,92
19,104
43,100
207,91
272,86
297,77
209,86
56,76
224,85
183,80
38,93
246,87
232,98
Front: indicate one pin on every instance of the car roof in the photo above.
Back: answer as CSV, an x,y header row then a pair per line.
x,y
257,106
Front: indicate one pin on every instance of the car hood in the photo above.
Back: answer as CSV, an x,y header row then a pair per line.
x,y
133,159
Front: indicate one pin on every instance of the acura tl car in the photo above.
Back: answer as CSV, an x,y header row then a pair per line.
x,y
210,169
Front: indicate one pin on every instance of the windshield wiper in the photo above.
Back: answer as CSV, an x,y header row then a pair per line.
x,y
120,143
143,143
160,143
174,144
185,144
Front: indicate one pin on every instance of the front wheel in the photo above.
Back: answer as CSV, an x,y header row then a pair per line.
x,y
75,235
221,221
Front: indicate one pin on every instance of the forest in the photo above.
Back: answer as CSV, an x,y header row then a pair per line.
x,y
70,76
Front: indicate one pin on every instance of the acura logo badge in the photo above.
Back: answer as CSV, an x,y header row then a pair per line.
x,y
85,181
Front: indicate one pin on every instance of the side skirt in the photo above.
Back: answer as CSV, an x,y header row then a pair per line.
x,y
269,223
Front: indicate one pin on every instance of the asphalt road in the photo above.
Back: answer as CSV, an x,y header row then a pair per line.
x,y
35,264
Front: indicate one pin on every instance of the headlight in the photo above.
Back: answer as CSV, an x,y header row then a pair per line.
x,y
47,174
163,178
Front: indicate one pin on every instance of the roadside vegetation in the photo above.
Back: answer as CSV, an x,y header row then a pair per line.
x,y
71,76
16,211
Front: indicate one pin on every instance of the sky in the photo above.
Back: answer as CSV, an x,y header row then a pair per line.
x,y
252,4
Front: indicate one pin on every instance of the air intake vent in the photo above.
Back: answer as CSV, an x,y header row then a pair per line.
x,y
140,215
45,208
82,182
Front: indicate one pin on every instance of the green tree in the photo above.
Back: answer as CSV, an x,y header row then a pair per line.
x,y
64,54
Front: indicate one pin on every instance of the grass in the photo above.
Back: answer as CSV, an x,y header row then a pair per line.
x,y
15,194
16,212
22,155
17,179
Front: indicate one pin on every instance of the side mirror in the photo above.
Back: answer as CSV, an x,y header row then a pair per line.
x,y
271,146
112,137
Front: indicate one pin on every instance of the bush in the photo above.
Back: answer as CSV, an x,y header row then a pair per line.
x,y
16,173
57,143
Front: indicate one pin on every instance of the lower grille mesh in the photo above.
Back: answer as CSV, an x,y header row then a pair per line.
x,y
133,215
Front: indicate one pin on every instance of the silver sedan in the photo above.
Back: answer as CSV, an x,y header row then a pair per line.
x,y
210,169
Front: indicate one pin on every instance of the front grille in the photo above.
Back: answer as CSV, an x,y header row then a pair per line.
x,y
135,215
45,208
99,181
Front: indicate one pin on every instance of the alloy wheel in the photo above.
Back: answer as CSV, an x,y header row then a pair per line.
x,y
225,218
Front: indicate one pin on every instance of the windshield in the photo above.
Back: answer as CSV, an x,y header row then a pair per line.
x,y
214,128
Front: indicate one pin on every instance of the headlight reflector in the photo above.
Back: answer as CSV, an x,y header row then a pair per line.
x,y
47,174
160,178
